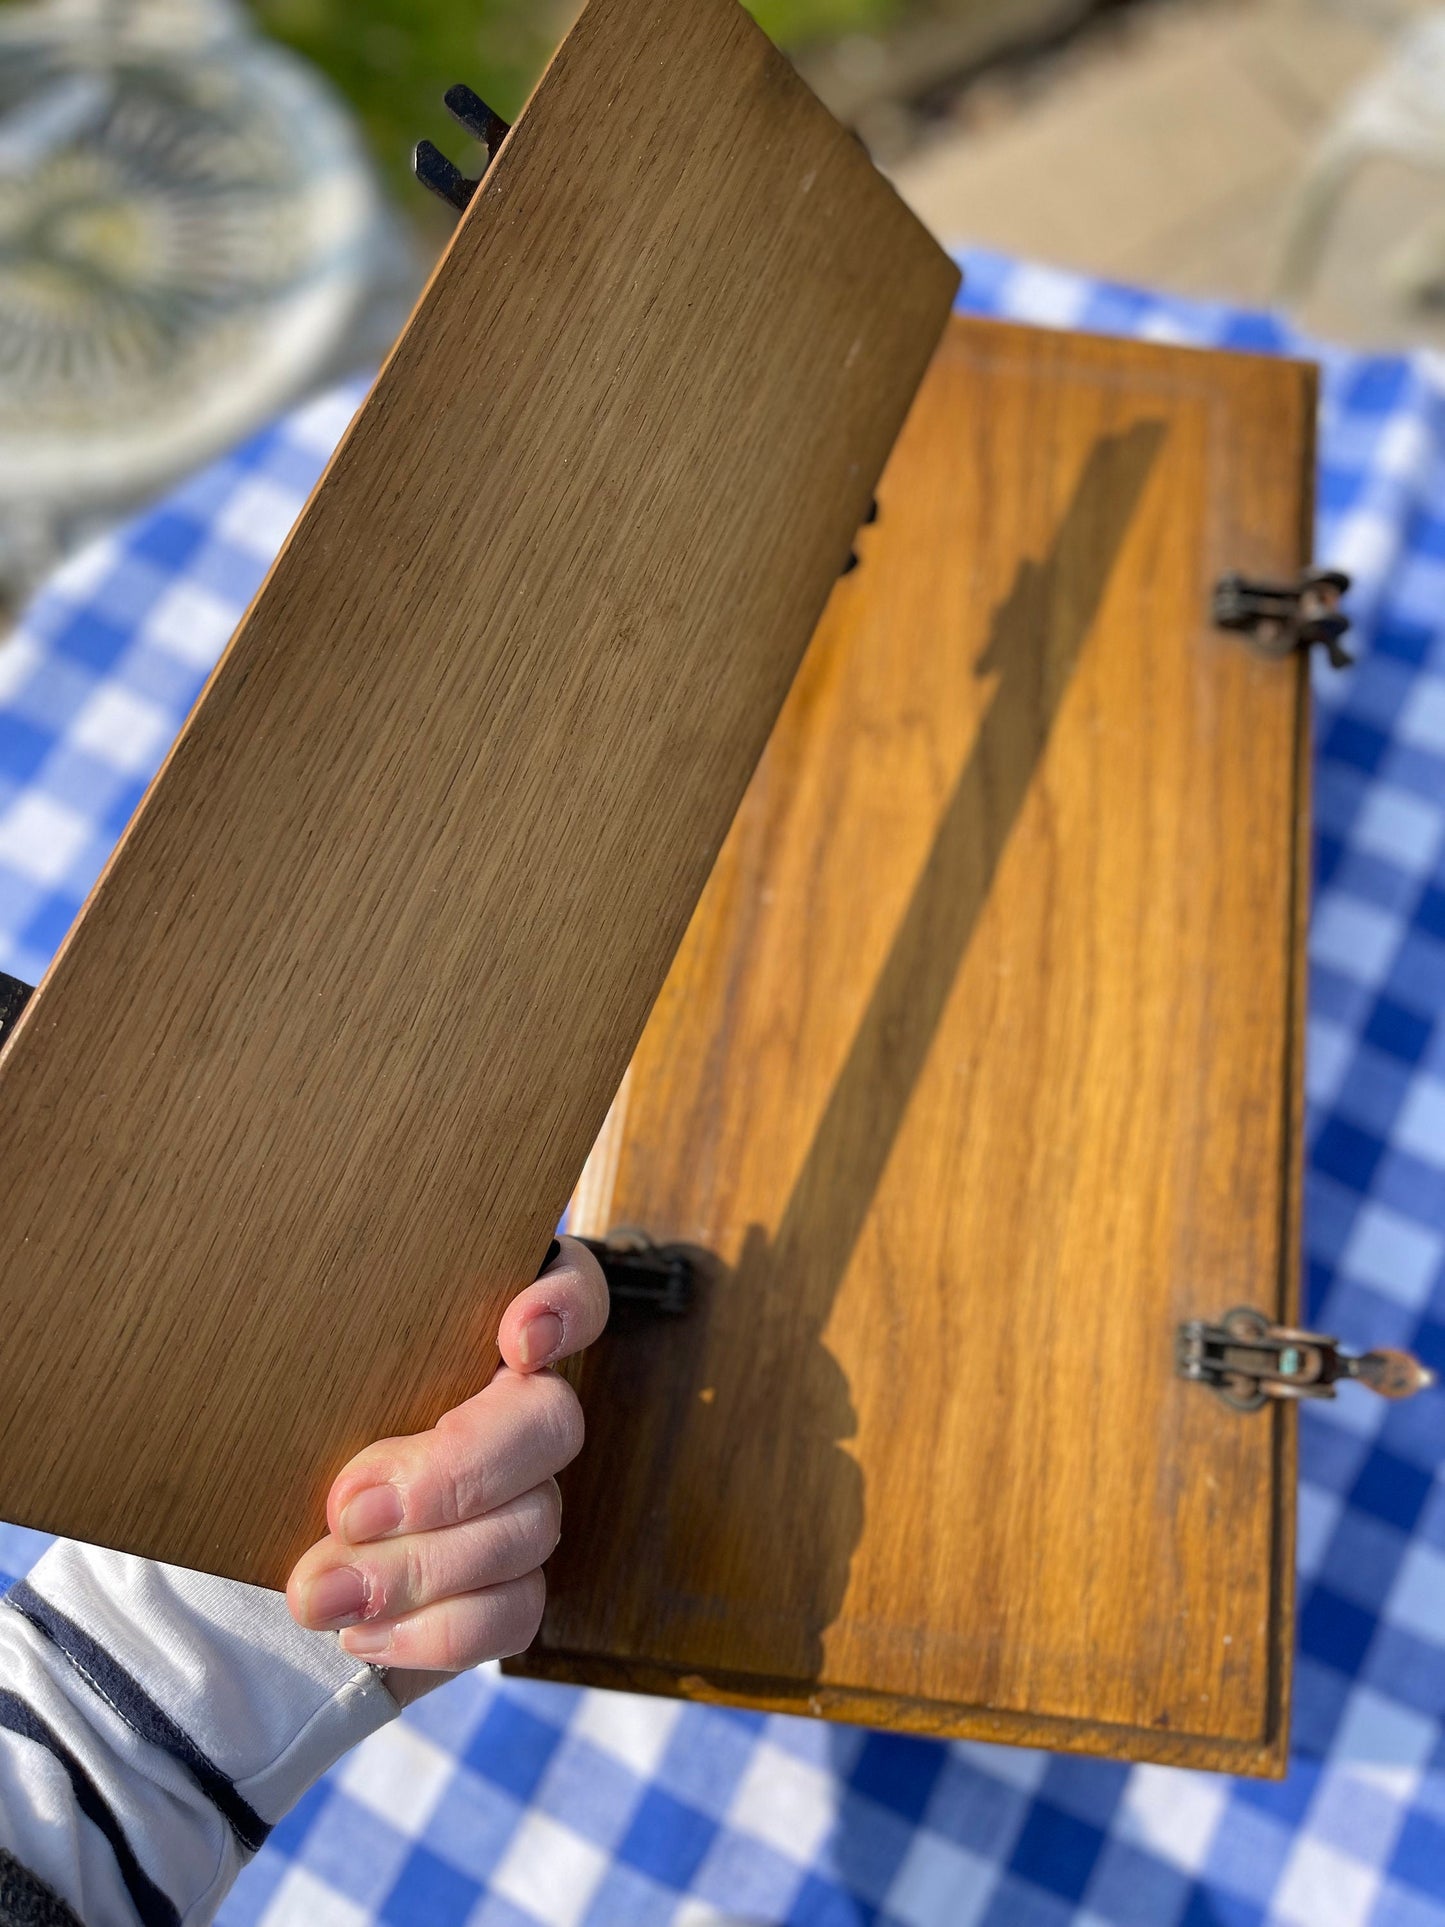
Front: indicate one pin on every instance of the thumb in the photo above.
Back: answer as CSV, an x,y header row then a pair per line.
x,y
559,1315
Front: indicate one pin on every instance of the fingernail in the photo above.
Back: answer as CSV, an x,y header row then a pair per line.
x,y
554,1252
367,1642
337,1597
370,1514
540,1339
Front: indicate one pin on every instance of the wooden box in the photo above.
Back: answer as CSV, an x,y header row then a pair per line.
x,y
977,1074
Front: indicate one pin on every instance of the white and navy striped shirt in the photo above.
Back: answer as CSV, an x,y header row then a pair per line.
x,y
154,1725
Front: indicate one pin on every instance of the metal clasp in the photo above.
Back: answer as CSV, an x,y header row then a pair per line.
x,y
1248,1361
1280,617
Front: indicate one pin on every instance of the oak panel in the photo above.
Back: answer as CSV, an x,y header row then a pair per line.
x,y
977,1072
299,1102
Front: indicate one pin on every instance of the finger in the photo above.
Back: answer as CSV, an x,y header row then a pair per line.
x,y
455,1633
560,1314
336,1585
516,1433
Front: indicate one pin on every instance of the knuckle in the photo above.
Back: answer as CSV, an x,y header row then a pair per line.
x,y
455,1645
525,1605
551,1515
538,1526
457,1476
414,1470
562,1416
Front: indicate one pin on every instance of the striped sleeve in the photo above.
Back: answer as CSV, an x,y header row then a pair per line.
x,y
154,1725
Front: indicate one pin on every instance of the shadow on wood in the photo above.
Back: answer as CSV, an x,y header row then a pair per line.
x,y
753,1540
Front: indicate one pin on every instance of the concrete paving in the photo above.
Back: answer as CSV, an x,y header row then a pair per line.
x,y
1164,146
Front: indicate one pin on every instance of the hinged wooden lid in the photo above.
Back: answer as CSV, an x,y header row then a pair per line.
x,y
977,1072
297,1106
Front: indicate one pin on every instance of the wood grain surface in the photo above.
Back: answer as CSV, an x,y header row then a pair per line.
x,y
296,1108
976,1073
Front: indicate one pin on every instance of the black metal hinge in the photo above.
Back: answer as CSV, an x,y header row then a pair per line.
x,y
1281,617
648,1277
14,996
444,177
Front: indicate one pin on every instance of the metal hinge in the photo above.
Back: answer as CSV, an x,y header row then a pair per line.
x,y
647,1276
1281,617
14,996
444,177
1249,1361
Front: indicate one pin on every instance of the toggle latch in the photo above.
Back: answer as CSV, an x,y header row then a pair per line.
x,y
1248,1361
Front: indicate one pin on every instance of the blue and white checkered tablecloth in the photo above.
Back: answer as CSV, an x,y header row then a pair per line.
x,y
503,1804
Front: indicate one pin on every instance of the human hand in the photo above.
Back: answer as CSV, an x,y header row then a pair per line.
x,y
433,1559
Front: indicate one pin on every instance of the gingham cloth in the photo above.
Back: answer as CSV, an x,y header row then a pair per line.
x,y
502,1804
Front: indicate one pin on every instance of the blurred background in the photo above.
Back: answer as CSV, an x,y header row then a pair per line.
x,y
206,209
